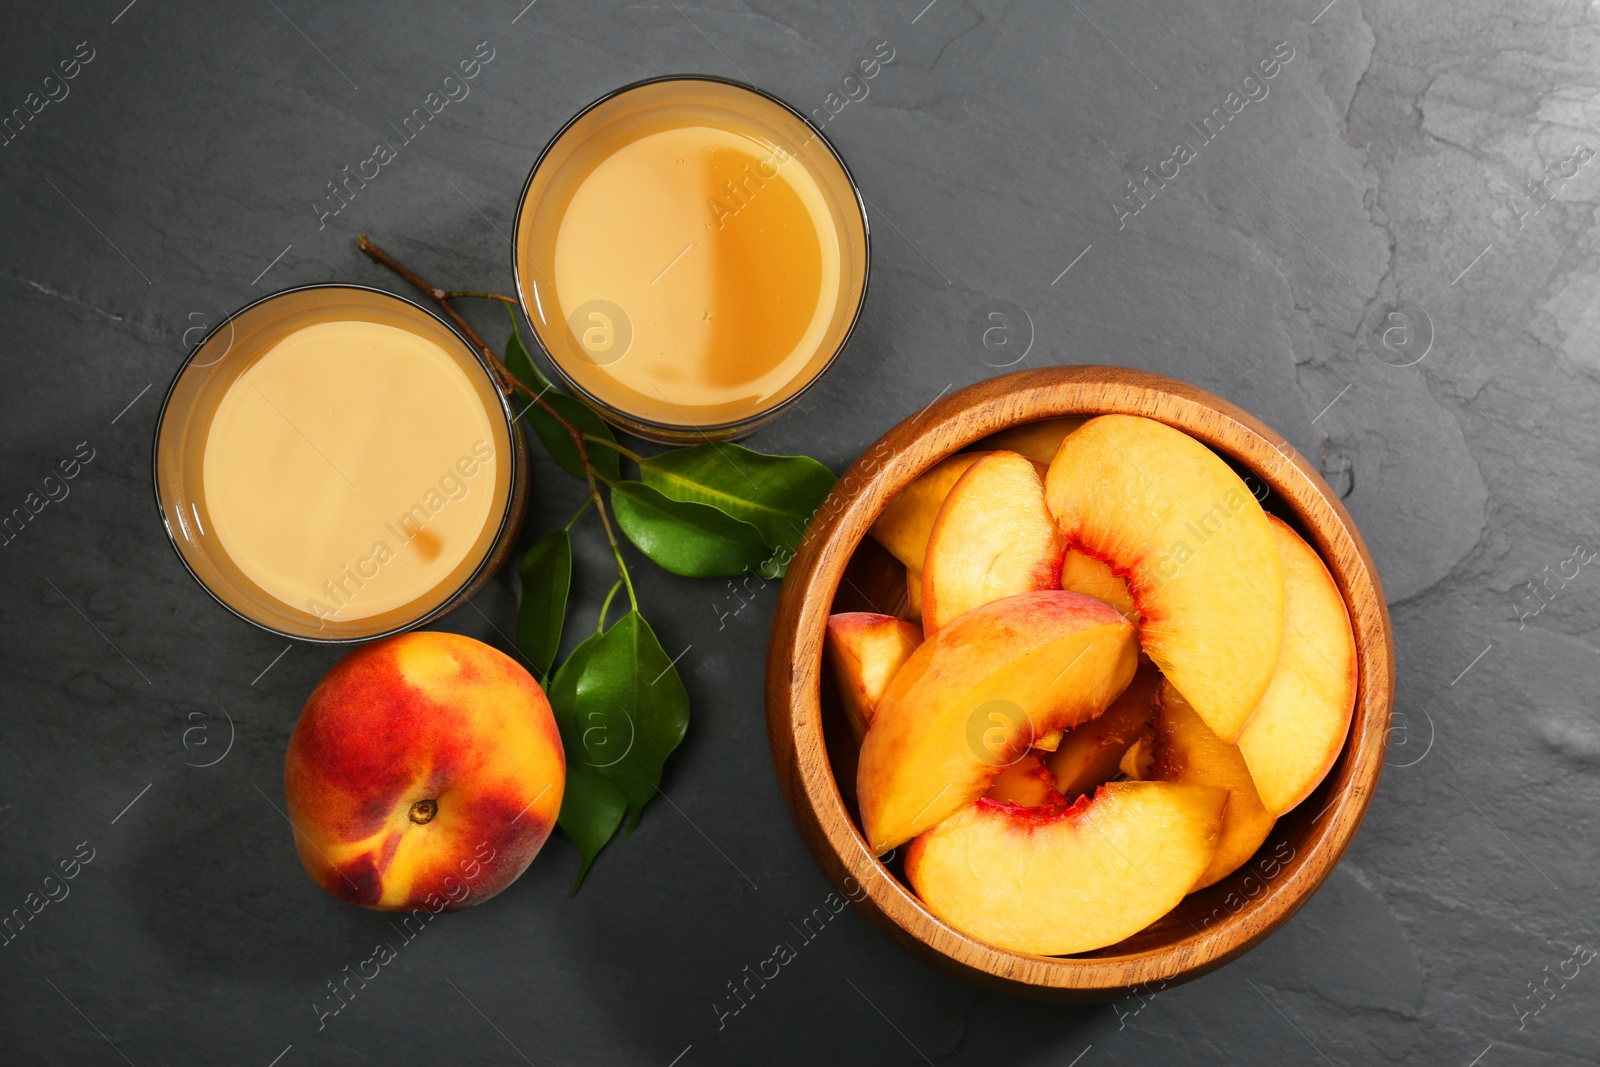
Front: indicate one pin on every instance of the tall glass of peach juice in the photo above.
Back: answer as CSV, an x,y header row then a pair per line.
x,y
692,255
335,463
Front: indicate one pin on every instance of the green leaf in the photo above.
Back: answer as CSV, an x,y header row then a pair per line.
x,y
775,494
633,708
546,575
559,443
591,810
690,539
592,807
554,436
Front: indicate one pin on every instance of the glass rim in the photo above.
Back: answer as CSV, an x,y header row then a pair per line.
x,y
506,518
722,430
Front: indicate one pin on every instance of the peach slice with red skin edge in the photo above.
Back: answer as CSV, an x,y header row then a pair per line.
x,y
1088,755
865,649
975,695
1027,783
993,538
1187,751
1198,553
1059,882
1298,729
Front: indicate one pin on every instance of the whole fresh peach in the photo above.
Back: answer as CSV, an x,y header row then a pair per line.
x,y
425,772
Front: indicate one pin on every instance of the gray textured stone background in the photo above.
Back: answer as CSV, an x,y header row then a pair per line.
x,y
1390,162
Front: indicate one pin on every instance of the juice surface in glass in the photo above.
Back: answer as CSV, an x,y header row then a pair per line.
x,y
690,254
335,463
340,469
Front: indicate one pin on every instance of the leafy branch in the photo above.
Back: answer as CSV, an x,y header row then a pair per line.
x,y
711,510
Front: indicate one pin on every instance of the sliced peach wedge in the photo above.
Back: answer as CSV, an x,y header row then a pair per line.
x,y
1088,755
975,695
993,538
865,649
1186,751
906,521
1300,725
1036,440
1058,882
1199,556
1084,574
1028,783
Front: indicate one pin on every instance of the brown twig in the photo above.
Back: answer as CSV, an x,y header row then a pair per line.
x,y
457,294
508,382
440,297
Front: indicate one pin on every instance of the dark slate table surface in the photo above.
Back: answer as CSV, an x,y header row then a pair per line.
x,y
1389,257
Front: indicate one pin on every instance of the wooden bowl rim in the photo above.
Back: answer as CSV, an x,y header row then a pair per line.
x,y
794,669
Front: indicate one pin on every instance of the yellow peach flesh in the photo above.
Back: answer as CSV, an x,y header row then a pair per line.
x,y
976,694
1092,577
907,519
993,538
1187,751
1197,551
1088,755
1300,725
1028,783
1036,440
865,649
1083,879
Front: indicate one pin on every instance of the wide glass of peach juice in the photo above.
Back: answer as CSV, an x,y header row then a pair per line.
x,y
335,463
691,255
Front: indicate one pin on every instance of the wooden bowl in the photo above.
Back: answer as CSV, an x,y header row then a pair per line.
x,y
837,568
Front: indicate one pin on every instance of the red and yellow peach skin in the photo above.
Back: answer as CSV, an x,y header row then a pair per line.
x,y
425,771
